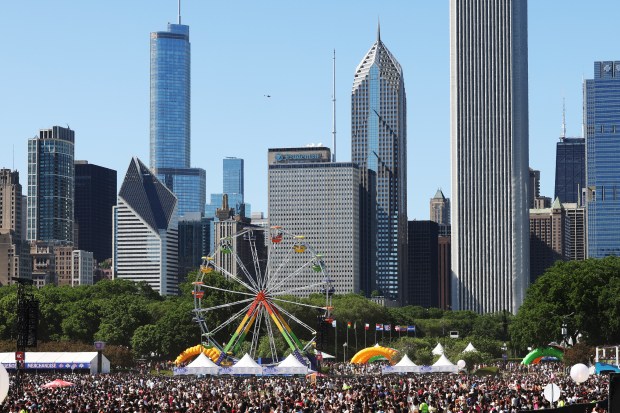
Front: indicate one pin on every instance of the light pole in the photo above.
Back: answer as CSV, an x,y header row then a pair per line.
x,y
344,356
504,355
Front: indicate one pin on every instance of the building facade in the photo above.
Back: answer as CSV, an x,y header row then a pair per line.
x,y
570,169
546,238
326,213
422,281
43,263
145,225
95,196
194,243
534,188
233,179
14,258
440,209
602,134
379,147
489,145
51,185
443,271
574,232
83,268
170,124
11,203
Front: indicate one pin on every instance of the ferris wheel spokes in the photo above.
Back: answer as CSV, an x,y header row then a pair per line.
x,y
211,287
228,274
227,305
293,274
230,320
305,287
272,341
276,274
297,320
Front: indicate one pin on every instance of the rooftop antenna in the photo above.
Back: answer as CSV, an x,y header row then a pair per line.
x,y
334,111
378,29
563,119
179,11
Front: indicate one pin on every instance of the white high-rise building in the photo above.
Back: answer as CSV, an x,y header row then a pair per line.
x,y
312,197
82,268
489,140
145,231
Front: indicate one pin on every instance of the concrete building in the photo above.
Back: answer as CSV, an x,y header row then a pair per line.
x,y
440,208
379,148
14,250
145,233
63,259
574,232
546,238
15,261
443,271
43,263
83,268
489,151
11,203
326,212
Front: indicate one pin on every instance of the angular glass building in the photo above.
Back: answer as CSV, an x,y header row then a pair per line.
x,y
170,118
489,150
602,130
145,236
570,169
233,176
379,147
51,185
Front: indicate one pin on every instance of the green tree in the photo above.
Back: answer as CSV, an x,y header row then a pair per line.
x,y
146,340
583,294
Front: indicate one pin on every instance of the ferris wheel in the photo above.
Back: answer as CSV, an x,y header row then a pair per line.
x,y
262,283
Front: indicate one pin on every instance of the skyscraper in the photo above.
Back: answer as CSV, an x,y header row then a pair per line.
x,y
547,226
602,130
11,202
325,212
14,250
570,169
232,176
422,281
51,185
95,195
440,208
489,142
379,147
170,118
145,231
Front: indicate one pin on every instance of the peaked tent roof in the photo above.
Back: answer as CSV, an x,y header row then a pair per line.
x,y
405,362
290,361
147,195
470,348
438,350
202,361
443,361
246,366
290,365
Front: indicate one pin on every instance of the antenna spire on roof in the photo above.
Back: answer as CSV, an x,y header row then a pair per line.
x,y
378,30
179,11
334,111
563,119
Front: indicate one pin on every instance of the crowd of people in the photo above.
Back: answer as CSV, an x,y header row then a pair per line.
x,y
363,391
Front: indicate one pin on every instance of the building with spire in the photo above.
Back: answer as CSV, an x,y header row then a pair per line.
x,y
170,117
379,147
145,231
489,150
570,166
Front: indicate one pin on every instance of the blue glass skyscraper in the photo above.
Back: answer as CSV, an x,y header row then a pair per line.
x,y
233,182
51,183
170,118
379,147
602,133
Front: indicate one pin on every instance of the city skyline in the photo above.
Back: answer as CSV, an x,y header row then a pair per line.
x,y
120,80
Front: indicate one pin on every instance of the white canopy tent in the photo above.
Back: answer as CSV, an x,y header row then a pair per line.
x,y
470,348
201,365
438,350
405,365
58,361
291,365
245,365
324,355
443,365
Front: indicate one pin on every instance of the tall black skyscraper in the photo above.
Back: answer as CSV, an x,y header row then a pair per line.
x,y
422,281
95,195
570,169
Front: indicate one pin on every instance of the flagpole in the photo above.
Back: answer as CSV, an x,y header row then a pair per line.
x,y
336,342
347,335
365,331
355,331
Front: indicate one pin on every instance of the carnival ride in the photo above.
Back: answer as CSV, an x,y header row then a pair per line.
x,y
292,267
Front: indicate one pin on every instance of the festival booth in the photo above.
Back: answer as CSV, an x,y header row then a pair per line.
x,y
290,365
438,350
244,366
470,349
405,365
202,365
443,365
58,361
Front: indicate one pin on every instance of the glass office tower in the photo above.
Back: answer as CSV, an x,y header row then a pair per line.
x,y
379,147
570,169
170,118
602,130
170,98
51,185
489,149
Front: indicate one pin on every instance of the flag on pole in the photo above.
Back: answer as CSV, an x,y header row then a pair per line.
x,y
355,325
388,327
366,326
411,328
349,324
334,323
379,327
397,328
403,328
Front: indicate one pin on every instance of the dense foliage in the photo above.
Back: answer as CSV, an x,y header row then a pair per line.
x,y
132,317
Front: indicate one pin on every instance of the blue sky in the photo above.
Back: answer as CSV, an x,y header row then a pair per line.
x,y
86,64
